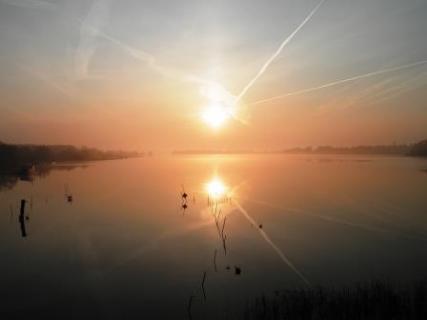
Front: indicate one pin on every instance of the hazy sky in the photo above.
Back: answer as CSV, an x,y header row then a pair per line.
x,y
131,73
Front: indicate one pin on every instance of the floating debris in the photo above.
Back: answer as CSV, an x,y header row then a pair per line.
x,y
237,270
184,194
68,194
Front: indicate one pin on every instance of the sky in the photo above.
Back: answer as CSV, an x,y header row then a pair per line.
x,y
134,74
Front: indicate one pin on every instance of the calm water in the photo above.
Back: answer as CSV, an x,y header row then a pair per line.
x,y
124,247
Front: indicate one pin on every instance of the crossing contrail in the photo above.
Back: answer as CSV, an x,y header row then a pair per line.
x,y
278,51
272,244
338,82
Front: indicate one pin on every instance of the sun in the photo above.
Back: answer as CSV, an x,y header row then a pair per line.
x,y
219,107
215,115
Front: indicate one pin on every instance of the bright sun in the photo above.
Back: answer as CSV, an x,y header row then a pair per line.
x,y
215,115
216,188
219,107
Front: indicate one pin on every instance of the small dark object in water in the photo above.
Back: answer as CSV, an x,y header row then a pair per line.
x,y
237,270
184,206
260,226
227,267
22,218
70,198
184,195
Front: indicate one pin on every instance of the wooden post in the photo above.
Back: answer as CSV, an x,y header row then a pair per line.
x,y
22,218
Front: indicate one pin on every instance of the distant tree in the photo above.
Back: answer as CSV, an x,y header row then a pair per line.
x,y
419,149
15,156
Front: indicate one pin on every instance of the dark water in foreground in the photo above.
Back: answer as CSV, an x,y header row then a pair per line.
x,y
125,248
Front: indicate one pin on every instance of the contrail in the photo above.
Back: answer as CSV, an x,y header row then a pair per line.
x,y
338,82
278,51
151,62
404,87
272,244
89,30
46,80
30,4
168,72
145,57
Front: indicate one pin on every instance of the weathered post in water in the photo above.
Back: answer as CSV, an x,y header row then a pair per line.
x,y
22,218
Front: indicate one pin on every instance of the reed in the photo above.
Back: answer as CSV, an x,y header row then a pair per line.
x,y
374,300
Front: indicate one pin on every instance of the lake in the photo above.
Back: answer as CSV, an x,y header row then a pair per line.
x,y
117,239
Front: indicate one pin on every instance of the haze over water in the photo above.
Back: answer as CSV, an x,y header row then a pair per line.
x,y
124,245
159,229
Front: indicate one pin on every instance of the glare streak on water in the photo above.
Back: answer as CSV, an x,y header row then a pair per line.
x,y
272,244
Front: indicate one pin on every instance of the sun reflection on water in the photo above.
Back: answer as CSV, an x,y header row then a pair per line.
x,y
216,189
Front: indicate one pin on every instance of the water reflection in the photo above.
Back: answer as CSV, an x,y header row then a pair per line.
x,y
9,178
219,205
216,189
221,202
218,196
7,181
289,220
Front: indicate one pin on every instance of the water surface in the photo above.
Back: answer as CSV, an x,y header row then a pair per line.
x,y
125,247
